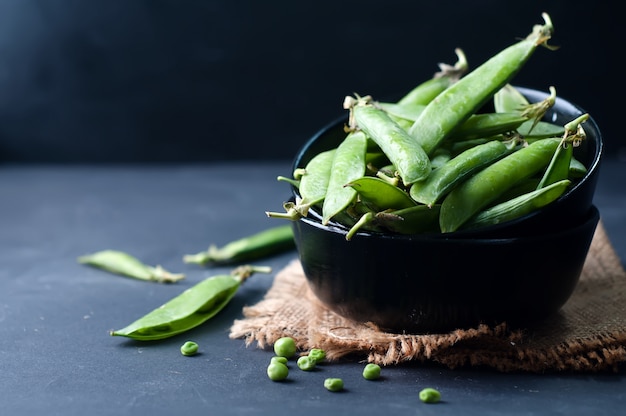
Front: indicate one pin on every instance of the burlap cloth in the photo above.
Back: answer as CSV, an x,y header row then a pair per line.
x,y
587,335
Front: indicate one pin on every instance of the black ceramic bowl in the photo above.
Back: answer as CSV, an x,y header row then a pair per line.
x,y
517,272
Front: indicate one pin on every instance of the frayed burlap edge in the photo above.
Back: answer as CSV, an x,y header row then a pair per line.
x,y
588,334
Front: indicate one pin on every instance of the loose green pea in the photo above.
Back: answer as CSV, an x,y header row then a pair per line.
x,y
333,384
317,354
277,371
430,395
281,360
306,363
371,371
285,347
189,348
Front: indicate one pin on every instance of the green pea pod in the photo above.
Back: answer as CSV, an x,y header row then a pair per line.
x,y
558,169
509,99
541,130
312,185
262,244
519,206
440,157
413,220
409,112
402,150
380,194
577,169
477,192
462,99
189,309
314,181
559,166
124,264
444,179
348,164
488,124
425,92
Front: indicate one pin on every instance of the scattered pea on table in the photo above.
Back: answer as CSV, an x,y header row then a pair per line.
x,y
189,348
306,363
277,371
285,347
333,384
371,371
430,395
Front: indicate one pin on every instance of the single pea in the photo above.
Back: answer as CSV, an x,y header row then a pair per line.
x,y
430,395
285,347
317,354
333,384
189,348
306,363
371,371
277,359
277,371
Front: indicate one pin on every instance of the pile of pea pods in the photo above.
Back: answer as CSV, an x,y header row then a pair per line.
x,y
435,161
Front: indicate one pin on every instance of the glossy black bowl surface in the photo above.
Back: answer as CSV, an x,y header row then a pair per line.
x,y
570,207
518,272
418,284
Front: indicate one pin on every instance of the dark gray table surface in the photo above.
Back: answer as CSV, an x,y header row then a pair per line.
x,y
56,356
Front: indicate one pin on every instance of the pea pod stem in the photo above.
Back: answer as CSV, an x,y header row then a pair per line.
x,y
264,243
453,106
124,264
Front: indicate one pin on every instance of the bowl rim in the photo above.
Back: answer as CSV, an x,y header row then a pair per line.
x,y
594,165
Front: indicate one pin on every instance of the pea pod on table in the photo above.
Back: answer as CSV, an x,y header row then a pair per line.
x,y
124,264
267,242
191,308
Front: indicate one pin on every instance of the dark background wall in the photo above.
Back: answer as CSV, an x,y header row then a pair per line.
x,y
205,80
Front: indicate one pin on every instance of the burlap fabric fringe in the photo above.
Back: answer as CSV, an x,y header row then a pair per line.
x,y
588,334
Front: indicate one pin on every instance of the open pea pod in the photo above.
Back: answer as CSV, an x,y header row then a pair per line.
x,y
380,194
189,309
